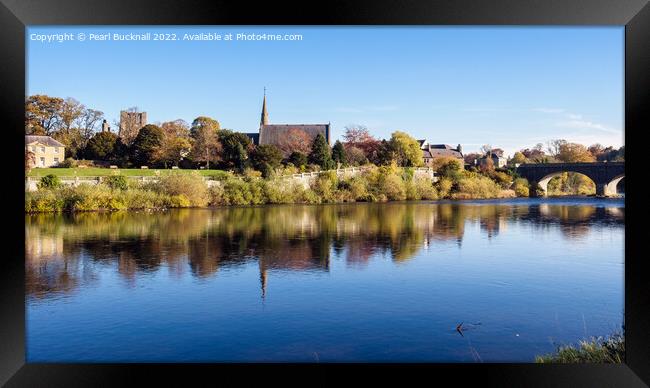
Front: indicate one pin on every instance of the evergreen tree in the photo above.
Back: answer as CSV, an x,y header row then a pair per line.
x,y
298,159
338,153
320,153
102,146
146,144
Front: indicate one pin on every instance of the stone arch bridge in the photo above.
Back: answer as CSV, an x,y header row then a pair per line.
x,y
605,175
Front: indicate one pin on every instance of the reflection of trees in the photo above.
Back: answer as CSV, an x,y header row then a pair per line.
x,y
63,251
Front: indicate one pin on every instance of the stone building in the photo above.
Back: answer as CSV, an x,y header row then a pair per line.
x,y
431,152
274,133
46,151
497,156
130,124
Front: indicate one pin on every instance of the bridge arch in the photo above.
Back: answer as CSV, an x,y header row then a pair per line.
x,y
544,181
606,175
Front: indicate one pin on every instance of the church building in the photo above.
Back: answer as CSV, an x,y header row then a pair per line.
x,y
274,133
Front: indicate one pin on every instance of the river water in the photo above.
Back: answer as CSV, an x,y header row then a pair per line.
x,y
325,283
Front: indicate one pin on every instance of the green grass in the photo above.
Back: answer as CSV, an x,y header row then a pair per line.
x,y
97,171
597,350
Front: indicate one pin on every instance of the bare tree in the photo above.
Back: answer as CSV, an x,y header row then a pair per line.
x,y
554,147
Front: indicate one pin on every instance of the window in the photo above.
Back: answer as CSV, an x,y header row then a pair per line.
x,y
56,160
42,162
56,150
42,149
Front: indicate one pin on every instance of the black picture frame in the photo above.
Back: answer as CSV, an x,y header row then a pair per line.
x,y
15,15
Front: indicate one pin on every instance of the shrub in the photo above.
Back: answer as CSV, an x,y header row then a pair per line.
x,y
502,178
236,192
478,187
444,187
324,185
116,182
216,195
393,187
448,167
68,163
191,186
43,201
424,188
521,187
50,181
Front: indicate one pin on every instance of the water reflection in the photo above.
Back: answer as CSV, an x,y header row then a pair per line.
x,y
65,252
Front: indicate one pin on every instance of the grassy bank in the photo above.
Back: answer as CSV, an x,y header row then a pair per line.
x,y
177,190
595,350
98,171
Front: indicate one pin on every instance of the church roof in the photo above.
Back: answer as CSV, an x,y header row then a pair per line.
x,y
274,133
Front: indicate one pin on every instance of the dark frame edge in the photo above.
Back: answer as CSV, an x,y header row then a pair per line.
x,y
12,295
637,116
637,303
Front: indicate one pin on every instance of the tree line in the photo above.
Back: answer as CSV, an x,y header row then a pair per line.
x,y
203,143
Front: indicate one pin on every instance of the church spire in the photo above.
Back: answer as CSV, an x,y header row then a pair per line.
x,y
264,120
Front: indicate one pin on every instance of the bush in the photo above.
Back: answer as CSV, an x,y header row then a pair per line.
x,y
325,185
502,178
236,192
444,187
521,187
68,163
424,188
43,201
448,167
116,182
476,187
50,181
393,187
191,186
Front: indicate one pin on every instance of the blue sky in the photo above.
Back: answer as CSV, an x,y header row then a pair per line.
x,y
510,87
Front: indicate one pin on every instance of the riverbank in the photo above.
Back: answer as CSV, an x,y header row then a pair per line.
x,y
378,184
609,350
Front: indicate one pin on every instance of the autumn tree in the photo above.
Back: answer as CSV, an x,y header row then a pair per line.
x,y
518,158
42,114
175,143
534,155
358,136
355,155
30,160
472,158
486,149
574,153
554,147
407,151
294,139
206,146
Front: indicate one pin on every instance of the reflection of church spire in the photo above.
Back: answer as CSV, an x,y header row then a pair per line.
x,y
263,277
264,120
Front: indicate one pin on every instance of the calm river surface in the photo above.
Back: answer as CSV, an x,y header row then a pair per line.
x,y
354,282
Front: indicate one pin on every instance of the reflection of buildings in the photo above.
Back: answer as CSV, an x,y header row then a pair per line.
x,y
292,238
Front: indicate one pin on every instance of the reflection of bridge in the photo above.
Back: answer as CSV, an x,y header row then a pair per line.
x,y
605,175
